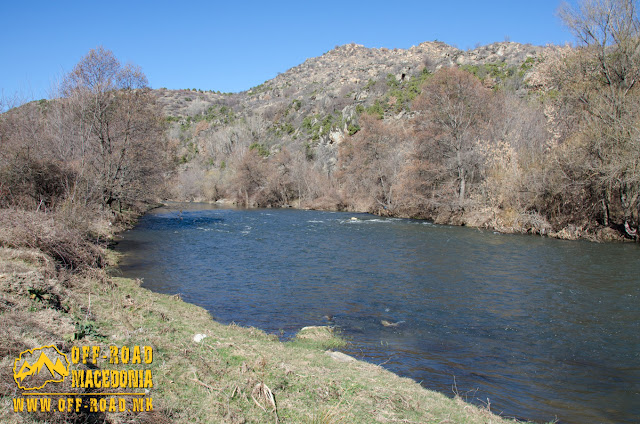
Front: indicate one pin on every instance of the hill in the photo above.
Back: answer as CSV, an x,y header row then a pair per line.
x,y
311,108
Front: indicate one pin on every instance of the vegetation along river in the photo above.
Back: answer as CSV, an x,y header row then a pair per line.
x,y
540,328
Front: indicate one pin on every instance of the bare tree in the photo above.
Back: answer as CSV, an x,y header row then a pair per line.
x,y
610,29
601,80
514,154
454,114
370,164
115,127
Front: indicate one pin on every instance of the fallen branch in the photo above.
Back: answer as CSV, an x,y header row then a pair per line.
x,y
195,379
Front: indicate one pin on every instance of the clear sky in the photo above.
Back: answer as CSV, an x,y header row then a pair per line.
x,y
233,46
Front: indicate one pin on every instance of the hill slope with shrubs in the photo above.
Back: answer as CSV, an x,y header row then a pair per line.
x,y
493,137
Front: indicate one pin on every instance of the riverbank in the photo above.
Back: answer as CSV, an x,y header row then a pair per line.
x,y
233,375
493,219
508,222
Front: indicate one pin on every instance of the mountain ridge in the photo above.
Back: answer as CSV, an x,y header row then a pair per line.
x,y
348,68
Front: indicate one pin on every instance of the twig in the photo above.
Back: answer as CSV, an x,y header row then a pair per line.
x,y
382,363
257,403
264,392
204,384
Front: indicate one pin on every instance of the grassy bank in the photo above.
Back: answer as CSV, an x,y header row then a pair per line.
x,y
234,375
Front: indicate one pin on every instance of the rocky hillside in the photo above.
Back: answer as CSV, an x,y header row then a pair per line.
x,y
353,65
347,72
312,107
348,76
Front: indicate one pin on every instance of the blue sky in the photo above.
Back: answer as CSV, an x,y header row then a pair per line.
x,y
233,46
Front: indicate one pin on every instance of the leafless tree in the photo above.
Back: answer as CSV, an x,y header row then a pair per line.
x,y
370,164
454,114
601,80
115,128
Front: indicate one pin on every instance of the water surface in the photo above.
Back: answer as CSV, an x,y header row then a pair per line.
x,y
540,328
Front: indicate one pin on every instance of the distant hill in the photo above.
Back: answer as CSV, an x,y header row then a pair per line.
x,y
311,106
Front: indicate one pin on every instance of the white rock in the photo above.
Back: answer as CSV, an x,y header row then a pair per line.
x,y
199,337
336,136
340,357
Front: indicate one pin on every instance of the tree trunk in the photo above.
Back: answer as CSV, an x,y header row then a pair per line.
x,y
605,210
463,184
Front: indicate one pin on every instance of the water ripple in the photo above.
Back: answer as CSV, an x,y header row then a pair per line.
x,y
543,328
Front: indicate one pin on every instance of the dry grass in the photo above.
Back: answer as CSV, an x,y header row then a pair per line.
x,y
34,311
49,233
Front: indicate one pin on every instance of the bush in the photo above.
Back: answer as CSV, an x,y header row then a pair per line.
x,y
31,182
49,233
260,149
376,110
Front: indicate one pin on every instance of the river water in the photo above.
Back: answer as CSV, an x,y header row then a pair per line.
x,y
542,329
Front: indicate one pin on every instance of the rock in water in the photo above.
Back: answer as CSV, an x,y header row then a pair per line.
x,y
390,324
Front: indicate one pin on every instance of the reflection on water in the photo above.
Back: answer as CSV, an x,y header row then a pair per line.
x,y
543,328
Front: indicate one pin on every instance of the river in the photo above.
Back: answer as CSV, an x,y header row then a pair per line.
x,y
542,329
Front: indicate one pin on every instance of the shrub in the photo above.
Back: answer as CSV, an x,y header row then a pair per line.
x,y
260,149
49,233
29,181
376,110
